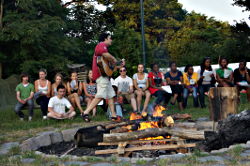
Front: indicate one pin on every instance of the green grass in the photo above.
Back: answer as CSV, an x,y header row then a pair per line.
x,y
12,129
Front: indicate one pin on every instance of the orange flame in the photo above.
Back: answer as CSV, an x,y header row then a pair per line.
x,y
158,111
145,125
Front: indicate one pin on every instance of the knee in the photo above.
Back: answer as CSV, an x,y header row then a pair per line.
x,y
17,108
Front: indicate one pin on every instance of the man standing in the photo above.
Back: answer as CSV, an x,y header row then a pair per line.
x,y
24,95
104,87
58,103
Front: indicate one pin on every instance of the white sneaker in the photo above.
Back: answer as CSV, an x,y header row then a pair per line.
x,y
30,118
44,117
21,119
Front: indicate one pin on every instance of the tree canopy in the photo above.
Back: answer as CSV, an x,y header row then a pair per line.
x,y
50,34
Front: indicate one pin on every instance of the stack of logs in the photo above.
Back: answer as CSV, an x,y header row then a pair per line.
x,y
127,142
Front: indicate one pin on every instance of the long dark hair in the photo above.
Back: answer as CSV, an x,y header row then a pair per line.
x,y
203,67
187,67
88,80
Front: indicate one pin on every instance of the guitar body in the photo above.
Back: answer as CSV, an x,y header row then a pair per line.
x,y
106,68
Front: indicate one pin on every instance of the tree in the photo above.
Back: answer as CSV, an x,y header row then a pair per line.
x,y
199,37
35,35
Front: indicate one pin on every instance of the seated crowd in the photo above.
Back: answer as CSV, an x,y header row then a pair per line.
x,y
54,98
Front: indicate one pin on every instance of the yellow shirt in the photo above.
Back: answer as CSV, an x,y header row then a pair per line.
x,y
190,81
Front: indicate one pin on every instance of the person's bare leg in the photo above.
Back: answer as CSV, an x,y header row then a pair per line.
x,y
112,107
94,111
72,101
174,98
248,94
77,101
92,105
180,104
139,99
71,115
133,102
52,115
147,99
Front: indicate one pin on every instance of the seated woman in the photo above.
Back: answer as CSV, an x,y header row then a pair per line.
x,y
224,75
141,85
242,78
175,78
58,81
74,88
156,81
58,103
206,79
43,89
90,90
190,79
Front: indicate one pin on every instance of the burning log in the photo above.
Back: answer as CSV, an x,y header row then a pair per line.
x,y
234,129
114,125
154,132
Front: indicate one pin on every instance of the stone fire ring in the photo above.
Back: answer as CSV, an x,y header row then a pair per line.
x,y
48,138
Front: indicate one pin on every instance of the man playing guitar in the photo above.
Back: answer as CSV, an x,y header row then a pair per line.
x,y
104,87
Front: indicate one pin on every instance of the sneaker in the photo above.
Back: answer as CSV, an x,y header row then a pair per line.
x,y
30,118
44,117
21,119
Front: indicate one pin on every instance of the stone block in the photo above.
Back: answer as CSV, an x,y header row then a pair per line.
x,y
68,135
211,158
29,144
43,140
27,160
5,148
223,150
56,137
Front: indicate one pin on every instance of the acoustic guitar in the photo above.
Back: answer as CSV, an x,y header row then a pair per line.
x,y
106,67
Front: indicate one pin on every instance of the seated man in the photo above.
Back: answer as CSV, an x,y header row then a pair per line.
x,y
125,88
24,94
58,103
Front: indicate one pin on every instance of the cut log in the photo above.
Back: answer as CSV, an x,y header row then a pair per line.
x,y
222,102
119,130
142,141
234,129
114,125
181,116
154,132
147,147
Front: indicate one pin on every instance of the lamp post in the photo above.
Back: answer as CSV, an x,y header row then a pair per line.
x,y
143,33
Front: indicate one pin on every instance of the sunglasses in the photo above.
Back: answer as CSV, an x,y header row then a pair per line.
x,y
122,70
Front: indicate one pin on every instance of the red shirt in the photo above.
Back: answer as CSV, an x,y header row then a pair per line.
x,y
152,76
99,50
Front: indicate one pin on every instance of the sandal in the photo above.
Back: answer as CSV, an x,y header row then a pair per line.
x,y
116,119
85,117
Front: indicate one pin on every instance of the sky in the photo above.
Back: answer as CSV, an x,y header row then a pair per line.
x,y
222,10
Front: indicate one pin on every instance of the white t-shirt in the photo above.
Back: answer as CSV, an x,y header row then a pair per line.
x,y
123,84
59,105
141,83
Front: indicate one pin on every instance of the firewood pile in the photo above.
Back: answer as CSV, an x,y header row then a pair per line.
x,y
140,134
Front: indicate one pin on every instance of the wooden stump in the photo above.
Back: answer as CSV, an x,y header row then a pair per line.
x,y
222,102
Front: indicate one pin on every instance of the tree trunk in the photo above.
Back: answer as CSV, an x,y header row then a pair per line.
x,y
234,129
154,132
222,102
1,26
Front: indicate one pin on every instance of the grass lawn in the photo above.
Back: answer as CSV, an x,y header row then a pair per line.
x,y
12,129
